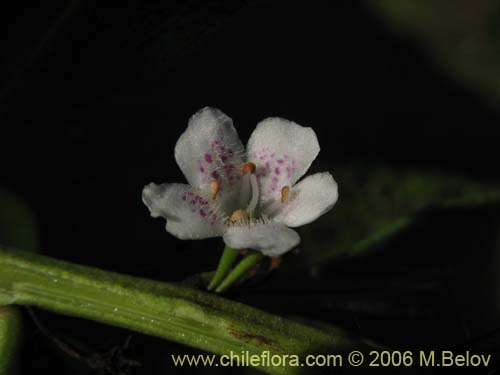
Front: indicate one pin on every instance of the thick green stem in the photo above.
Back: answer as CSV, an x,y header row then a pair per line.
x,y
191,317
227,260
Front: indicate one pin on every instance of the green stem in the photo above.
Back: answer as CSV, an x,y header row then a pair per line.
x,y
187,316
227,260
240,270
10,325
17,228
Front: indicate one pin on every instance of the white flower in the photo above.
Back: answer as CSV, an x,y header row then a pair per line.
x,y
249,198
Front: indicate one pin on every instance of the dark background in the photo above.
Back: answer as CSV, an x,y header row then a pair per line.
x,y
94,96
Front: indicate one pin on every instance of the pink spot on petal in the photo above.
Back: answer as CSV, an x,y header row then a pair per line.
x,y
215,174
208,158
277,171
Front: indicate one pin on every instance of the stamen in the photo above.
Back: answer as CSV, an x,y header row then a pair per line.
x,y
214,188
285,192
247,167
238,215
255,195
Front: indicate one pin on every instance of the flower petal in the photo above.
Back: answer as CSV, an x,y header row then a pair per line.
x,y
282,151
309,199
271,239
210,149
189,213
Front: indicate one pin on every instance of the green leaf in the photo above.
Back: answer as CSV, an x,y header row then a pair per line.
x,y
187,316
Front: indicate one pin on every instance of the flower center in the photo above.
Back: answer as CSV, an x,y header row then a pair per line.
x,y
249,182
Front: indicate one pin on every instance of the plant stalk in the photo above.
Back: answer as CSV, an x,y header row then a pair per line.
x,y
183,315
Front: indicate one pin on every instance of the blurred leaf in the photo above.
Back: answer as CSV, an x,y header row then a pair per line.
x,y
463,36
376,203
18,229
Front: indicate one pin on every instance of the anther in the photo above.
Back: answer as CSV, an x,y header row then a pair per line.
x,y
238,215
214,188
247,167
285,192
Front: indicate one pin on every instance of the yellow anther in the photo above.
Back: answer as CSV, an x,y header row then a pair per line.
x,y
238,215
247,167
285,192
214,188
